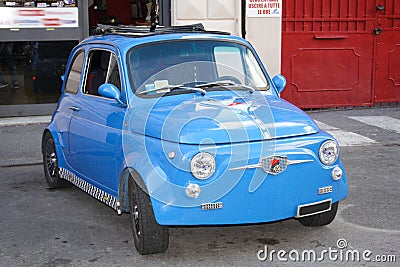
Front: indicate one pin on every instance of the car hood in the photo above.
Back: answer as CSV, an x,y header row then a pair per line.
x,y
219,120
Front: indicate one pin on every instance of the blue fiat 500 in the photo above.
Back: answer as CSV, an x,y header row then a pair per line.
x,y
182,126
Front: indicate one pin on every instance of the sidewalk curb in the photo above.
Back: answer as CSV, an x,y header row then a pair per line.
x,y
17,164
22,121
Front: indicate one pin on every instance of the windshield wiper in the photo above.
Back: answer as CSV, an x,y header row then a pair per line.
x,y
226,83
173,87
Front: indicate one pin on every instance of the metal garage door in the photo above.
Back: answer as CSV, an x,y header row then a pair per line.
x,y
388,52
341,52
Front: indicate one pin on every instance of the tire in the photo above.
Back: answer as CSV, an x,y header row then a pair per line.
x,y
321,219
148,235
50,164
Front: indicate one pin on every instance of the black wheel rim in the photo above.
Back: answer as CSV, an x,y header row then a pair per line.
x,y
135,215
51,160
136,220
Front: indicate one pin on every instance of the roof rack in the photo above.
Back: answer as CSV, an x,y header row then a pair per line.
x,y
141,31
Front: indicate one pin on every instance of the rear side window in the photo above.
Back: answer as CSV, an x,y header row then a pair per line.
x,y
74,75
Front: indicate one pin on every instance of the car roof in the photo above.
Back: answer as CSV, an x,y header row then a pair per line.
x,y
126,37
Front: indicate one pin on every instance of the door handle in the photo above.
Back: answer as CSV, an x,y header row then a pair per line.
x,y
380,8
74,108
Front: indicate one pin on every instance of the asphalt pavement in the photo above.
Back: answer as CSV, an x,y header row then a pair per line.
x,y
21,139
43,227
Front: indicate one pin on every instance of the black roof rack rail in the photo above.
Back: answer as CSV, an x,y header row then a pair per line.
x,y
140,31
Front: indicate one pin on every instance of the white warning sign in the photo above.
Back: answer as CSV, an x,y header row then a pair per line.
x,y
264,8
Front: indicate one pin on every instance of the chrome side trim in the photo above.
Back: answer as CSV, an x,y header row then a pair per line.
x,y
254,166
211,206
325,190
291,162
90,189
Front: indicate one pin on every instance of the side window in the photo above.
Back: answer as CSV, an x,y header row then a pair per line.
x,y
74,75
256,77
113,72
102,68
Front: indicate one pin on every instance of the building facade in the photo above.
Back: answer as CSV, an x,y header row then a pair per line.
x,y
333,52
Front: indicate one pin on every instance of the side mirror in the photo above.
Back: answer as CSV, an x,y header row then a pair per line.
x,y
111,91
280,82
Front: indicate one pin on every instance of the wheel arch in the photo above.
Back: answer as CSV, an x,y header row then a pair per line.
x,y
45,132
128,173
56,138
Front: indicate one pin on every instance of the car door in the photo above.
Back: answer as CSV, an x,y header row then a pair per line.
x,y
95,131
66,105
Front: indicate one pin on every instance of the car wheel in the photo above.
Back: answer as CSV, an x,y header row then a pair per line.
x,y
50,164
148,235
321,219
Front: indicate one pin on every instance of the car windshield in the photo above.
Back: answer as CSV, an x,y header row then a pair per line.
x,y
184,66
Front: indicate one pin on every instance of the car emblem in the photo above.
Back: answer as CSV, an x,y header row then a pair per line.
x,y
274,164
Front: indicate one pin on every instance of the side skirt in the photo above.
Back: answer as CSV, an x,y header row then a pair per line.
x,y
90,189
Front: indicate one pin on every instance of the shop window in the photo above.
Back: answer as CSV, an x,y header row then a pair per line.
x,y
30,72
140,9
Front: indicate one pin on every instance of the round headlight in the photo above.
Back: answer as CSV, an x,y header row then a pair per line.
x,y
202,165
328,152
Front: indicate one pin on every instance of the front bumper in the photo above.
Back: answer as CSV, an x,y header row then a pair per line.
x,y
233,196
